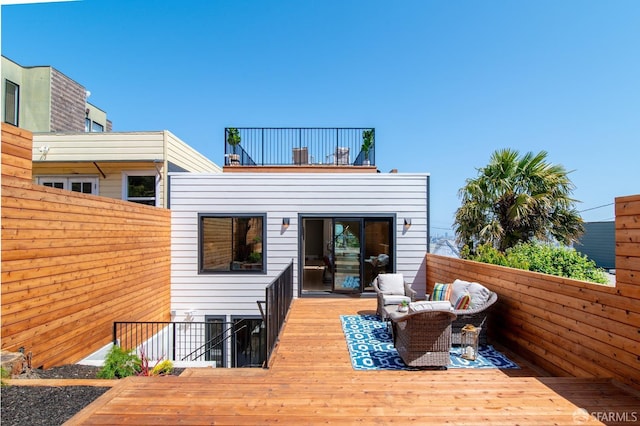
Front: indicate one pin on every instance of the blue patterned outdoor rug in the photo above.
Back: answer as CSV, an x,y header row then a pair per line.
x,y
371,348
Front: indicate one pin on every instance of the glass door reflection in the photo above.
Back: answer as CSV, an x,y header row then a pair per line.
x,y
346,252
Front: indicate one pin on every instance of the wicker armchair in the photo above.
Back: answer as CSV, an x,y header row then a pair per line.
x,y
387,295
423,339
476,316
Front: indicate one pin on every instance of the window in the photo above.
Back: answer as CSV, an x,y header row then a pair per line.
x,y
92,126
59,185
231,243
140,187
85,185
12,96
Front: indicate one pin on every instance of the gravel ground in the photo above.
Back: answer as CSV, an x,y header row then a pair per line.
x,y
49,405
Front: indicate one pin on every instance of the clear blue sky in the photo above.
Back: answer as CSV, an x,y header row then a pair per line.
x,y
445,83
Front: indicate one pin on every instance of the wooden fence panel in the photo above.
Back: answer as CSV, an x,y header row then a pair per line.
x,y
16,152
568,327
72,263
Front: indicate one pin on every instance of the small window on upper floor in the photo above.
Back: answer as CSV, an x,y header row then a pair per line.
x,y
11,102
97,127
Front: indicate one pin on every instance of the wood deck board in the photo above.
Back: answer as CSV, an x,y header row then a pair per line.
x,y
311,381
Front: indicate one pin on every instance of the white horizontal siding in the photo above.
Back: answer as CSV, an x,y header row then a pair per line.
x,y
281,195
182,155
107,146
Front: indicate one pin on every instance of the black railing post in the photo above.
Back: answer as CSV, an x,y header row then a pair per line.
x,y
335,153
173,340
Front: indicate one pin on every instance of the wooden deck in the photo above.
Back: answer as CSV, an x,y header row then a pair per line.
x,y
311,381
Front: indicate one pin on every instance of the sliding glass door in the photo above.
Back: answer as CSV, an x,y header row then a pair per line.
x,y
347,237
344,254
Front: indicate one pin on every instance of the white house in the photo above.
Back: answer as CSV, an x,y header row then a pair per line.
x,y
233,233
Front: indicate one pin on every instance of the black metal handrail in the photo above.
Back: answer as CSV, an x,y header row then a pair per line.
x,y
217,340
278,298
179,341
299,146
190,340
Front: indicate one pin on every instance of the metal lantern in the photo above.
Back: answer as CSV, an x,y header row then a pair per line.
x,y
469,337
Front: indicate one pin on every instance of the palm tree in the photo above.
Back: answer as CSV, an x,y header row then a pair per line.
x,y
516,199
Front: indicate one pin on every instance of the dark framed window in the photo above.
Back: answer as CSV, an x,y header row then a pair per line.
x,y
140,188
232,243
11,105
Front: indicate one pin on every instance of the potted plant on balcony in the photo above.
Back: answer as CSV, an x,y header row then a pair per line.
x,y
368,138
233,139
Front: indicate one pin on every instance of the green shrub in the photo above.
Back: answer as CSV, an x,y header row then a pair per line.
x,y
536,257
485,253
162,368
4,374
560,261
119,363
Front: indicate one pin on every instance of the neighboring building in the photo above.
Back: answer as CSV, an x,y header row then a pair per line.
x,y
74,147
131,166
598,243
339,224
42,99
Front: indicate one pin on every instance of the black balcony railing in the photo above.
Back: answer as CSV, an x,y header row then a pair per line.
x,y
298,146
278,298
252,341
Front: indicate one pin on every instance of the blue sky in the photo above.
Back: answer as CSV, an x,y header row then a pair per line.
x,y
445,83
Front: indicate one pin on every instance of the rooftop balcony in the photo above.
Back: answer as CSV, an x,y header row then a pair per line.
x,y
302,146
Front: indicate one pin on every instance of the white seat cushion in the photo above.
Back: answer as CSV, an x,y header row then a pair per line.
x,y
391,283
394,299
441,305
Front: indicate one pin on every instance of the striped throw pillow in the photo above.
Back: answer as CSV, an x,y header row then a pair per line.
x,y
463,301
441,292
